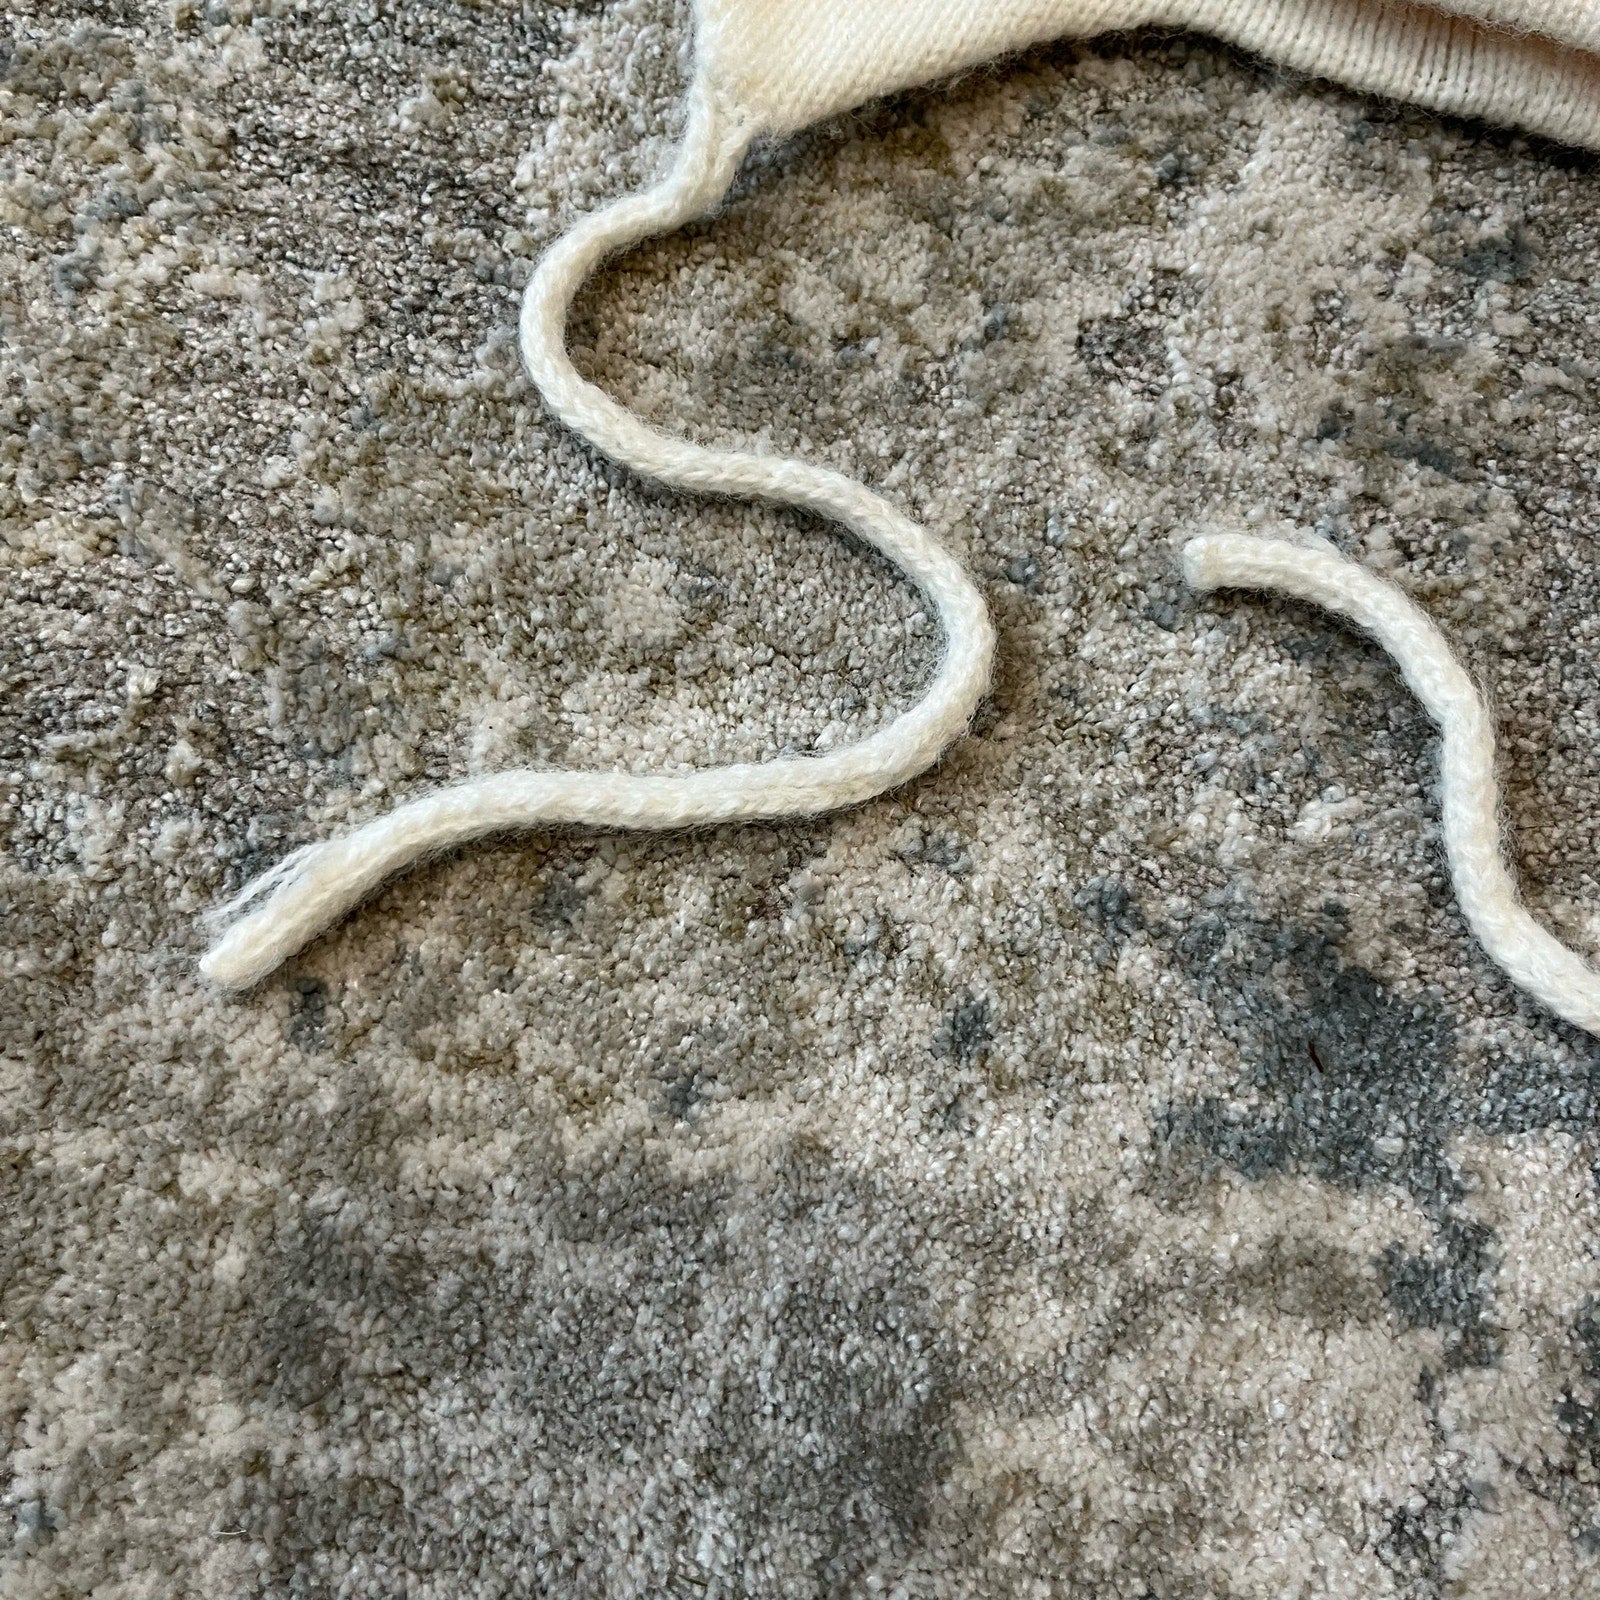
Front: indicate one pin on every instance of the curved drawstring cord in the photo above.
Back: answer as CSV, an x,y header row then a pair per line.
x,y
312,888
308,891
1532,958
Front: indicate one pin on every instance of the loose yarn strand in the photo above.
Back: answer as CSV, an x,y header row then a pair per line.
x,y
305,894
1532,958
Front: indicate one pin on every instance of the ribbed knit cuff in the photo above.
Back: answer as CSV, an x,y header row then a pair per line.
x,y
1533,64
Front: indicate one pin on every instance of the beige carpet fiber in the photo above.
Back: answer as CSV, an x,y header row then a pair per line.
x,y
1105,1168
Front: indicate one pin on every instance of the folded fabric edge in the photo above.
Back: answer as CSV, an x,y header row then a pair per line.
x,y
1428,57
790,65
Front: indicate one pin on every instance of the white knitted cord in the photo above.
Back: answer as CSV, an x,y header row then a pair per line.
x,y
1525,952
311,889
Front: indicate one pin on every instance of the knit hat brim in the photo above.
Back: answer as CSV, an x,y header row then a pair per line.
x,y
1533,64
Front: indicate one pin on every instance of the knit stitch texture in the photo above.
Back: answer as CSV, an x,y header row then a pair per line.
x,y
1530,63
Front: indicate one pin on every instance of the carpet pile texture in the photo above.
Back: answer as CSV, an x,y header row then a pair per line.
x,y
1105,1167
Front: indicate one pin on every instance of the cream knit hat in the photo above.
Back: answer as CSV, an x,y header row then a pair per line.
x,y
1533,64
765,68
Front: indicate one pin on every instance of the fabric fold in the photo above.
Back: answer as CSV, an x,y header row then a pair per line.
x,y
1516,62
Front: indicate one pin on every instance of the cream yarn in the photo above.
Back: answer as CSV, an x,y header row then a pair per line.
x,y
1528,955
770,67
312,888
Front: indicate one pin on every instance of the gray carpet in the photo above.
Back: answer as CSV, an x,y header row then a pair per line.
x,y
1105,1168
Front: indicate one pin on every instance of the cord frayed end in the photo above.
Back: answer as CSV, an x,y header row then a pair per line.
x,y
1214,561
255,931
257,890
222,965
1201,568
